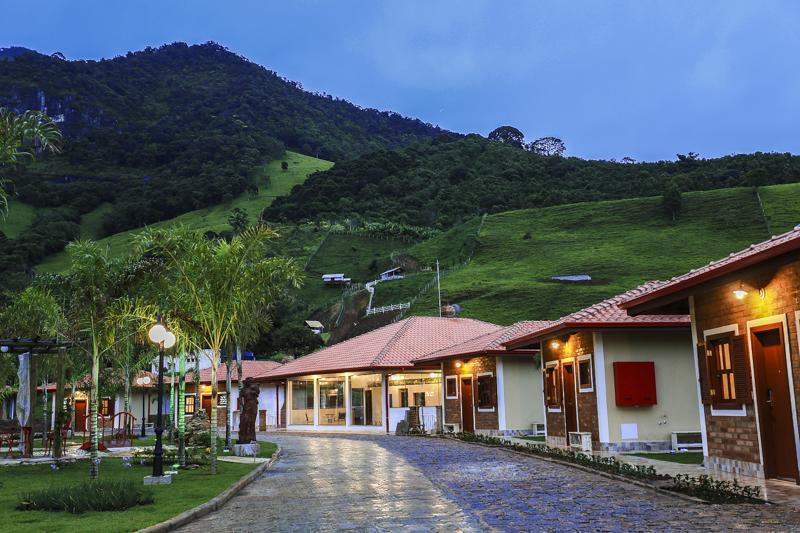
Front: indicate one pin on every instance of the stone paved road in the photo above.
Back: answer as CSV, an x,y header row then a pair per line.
x,y
388,483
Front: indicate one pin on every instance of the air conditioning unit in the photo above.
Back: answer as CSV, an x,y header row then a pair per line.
x,y
451,428
580,440
686,439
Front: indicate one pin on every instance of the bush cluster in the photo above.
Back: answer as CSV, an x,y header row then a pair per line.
x,y
100,495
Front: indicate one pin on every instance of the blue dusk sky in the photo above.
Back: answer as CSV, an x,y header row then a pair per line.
x,y
646,79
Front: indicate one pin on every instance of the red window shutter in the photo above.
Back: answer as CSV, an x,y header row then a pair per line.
x,y
705,376
741,369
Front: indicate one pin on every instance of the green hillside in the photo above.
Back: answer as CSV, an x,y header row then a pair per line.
x,y
619,243
213,218
20,217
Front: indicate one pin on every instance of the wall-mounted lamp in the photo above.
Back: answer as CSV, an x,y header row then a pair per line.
x,y
762,293
555,345
458,364
740,293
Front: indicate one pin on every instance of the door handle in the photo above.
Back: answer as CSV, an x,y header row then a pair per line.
x,y
769,397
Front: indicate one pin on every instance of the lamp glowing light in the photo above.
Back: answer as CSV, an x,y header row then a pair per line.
x,y
169,340
555,345
458,364
157,333
740,293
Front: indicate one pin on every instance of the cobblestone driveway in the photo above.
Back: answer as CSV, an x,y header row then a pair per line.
x,y
389,483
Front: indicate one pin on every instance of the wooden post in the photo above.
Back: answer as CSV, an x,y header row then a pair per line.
x,y
59,410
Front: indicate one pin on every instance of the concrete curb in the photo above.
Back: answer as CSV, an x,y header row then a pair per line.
x,y
608,475
214,503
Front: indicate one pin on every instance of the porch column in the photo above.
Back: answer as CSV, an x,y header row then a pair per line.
x,y
316,401
385,400
501,395
347,400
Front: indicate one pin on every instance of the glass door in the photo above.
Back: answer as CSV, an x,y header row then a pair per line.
x,y
357,405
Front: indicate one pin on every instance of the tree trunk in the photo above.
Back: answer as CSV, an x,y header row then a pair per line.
x,y
126,403
94,467
59,414
229,409
239,381
213,428
32,388
171,435
181,404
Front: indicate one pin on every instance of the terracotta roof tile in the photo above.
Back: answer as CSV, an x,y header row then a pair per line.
x,y
777,245
607,313
487,343
250,369
392,346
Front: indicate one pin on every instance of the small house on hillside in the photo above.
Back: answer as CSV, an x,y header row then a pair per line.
x,y
392,273
315,326
745,319
614,382
335,280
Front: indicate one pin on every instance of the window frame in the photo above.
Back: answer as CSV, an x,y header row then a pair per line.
x,y
492,395
708,334
419,394
583,359
716,373
105,406
455,386
403,397
553,366
186,402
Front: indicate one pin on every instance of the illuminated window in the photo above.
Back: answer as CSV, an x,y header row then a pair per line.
x,y
552,393
189,405
105,407
451,386
585,373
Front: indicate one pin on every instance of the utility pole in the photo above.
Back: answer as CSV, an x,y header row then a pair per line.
x,y
439,288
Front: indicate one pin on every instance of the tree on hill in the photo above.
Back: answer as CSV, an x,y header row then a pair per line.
x,y
549,146
238,220
672,200
508,135
284,165
22,136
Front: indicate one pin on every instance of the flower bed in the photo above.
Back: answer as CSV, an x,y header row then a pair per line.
x,y
704,487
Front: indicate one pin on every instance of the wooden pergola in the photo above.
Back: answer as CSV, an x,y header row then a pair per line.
x,y
38,346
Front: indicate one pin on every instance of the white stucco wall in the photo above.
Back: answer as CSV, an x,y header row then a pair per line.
x,y
676,385
522,386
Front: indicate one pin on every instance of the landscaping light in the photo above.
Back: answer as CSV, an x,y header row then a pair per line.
x,y
740,293
169,340
157,333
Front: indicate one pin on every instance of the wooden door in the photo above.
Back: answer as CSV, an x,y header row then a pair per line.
x,y
773,402
206,405
570,408
467,414
80,415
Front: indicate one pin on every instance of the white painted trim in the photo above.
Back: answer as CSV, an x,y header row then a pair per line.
x,y
701,407
585,357
544,383
600,383
455,377
316,401
475,390
730,328
501,395
347,400
782,320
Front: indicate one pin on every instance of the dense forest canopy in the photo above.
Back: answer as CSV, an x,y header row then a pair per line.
x,y
450,179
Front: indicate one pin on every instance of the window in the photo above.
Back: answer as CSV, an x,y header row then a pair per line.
x,y
302,402
331,402
419,399
585,373
486,391
189,405
552,391
724,372
403,397
451,387
105,407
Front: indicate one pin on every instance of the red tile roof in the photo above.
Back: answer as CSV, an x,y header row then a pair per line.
x,y
488,343
606,314
777,245
250,369
392,346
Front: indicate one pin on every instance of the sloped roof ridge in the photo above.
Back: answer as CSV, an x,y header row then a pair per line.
x,y
613,301
394,339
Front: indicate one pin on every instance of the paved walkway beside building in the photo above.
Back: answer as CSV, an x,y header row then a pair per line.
x,y
329,482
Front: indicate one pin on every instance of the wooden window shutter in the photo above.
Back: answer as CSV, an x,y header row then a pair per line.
x,y
741,369
559,385
705,378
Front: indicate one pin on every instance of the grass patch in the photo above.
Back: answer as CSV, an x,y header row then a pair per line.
x,y
100,495
20,217
533,438
212,218
189,489
684,458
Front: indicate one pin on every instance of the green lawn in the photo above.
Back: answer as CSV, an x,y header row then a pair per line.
x,y
540,438
401,290
212,218
20,216
619,243
189,489
684,458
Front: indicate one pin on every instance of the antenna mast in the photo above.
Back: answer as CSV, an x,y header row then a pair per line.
x,y
439,288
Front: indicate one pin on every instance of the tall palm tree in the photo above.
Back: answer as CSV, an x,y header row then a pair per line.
x,y
22,136
212,282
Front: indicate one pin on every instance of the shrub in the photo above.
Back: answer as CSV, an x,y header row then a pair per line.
x,y
198,430
100,495
716,490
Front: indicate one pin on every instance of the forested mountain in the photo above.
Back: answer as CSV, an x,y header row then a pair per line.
x,y
450,179
163,131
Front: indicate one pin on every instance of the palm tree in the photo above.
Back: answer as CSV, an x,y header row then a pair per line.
x,y
212,282
21,137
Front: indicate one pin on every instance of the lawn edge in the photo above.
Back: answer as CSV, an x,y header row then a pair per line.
x,y
214,503
631,481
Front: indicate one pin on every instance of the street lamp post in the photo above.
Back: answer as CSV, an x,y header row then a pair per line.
x,y
143,381
164,339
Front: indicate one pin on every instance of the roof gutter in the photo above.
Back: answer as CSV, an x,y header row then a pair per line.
x,y
570,327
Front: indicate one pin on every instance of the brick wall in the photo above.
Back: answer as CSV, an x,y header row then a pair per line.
x,y
470,367
736,438
577,344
